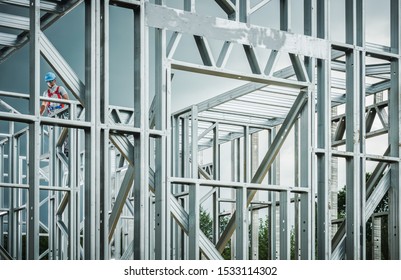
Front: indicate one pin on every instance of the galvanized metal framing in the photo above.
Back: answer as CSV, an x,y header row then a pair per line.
x,y
136,179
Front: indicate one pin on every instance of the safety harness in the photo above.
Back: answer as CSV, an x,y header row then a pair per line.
x,y
50,94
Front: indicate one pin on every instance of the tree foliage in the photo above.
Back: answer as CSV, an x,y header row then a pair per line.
x,y
342,198
206,226
382,207
263,239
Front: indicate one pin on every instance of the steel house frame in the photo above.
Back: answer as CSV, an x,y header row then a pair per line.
x,y
133,184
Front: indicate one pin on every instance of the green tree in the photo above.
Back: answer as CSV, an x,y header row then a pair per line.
x,y
206,226
341,200
292,244
263,239
380,208
223,224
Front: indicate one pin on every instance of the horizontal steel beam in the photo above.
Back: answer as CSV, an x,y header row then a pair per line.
x,y
232,74
241,121
236,32
12,185
65,123
46,6
17,117
8,40
14,94
125,3
236,185
13,21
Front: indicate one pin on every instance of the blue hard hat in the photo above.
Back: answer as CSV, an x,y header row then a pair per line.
x,y
50,76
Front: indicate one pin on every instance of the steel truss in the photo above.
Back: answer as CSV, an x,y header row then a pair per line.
x,y
134,181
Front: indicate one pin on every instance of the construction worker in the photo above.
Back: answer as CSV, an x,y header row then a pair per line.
x,y
54,91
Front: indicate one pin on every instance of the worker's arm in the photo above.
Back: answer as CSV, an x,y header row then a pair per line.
x,y
64,93
42,108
